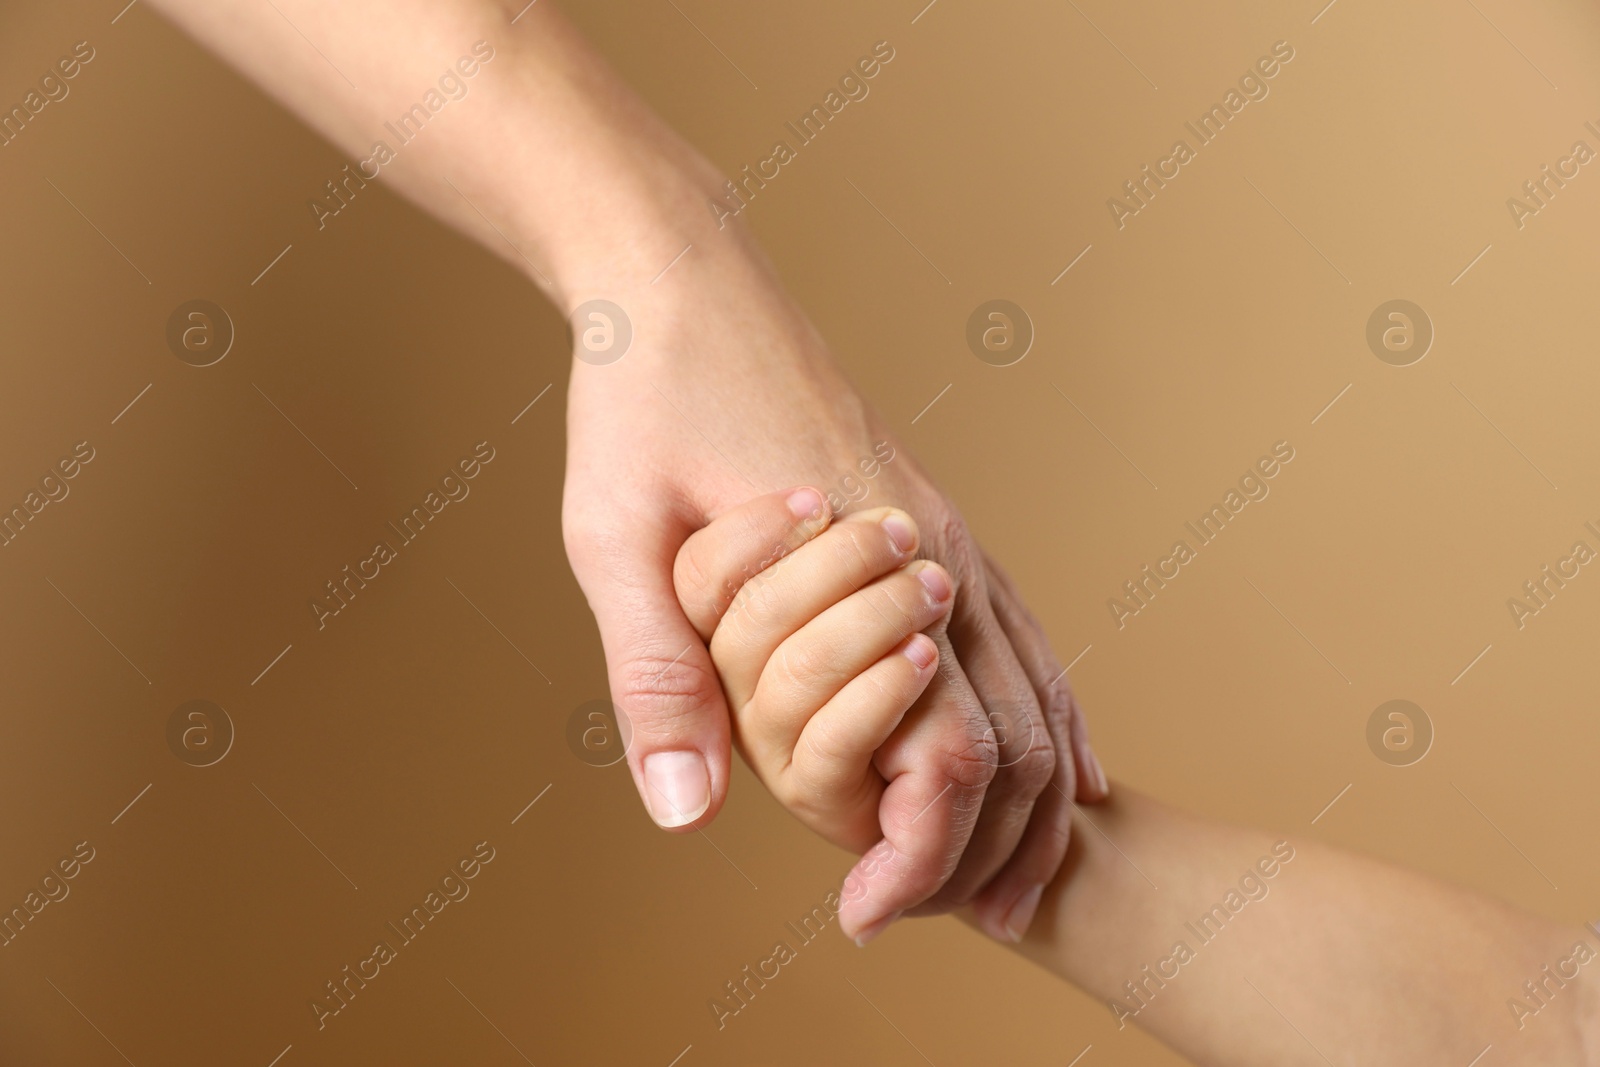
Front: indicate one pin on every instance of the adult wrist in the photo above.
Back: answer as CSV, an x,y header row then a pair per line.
x,y
598,194
638,223
641,223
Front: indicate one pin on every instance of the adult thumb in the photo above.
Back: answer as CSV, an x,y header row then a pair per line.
x,y
669,701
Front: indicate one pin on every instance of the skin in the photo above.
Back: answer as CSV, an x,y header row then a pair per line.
x,y
1318,957
823,665
1372,963
592,196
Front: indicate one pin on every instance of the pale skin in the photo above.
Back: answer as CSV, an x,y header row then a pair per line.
x,y
1370,963
1292,952
592,196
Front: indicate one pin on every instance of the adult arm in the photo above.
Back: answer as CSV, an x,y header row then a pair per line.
x,y
1332,958
725,392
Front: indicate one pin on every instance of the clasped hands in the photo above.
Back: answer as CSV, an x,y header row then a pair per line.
x,y
879,673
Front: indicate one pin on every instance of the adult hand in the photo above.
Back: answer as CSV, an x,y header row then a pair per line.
x,y
547,157
727,392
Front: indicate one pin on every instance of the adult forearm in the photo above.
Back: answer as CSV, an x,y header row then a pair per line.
x,y
1241,947
541,152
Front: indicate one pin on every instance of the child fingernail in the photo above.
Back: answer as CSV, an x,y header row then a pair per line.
x,y
1021,915
921,650
900,530
805,503
872,930
934,580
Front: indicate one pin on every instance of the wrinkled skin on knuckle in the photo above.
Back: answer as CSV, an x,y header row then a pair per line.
x,y
1035,766
1058,705
662,696
948,541
971,758
960,557
1061,708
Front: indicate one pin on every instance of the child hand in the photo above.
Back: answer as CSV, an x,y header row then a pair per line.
x,y
814,631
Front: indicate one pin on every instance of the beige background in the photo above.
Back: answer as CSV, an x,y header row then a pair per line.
x,y
1213,325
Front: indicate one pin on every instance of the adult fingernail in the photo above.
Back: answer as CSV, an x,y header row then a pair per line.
x,y
933,579
1099,774
805,503
921,650
677,787
1021,915
900,531
872,930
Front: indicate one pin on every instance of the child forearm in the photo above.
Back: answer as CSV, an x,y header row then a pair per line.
x,y
1242,947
